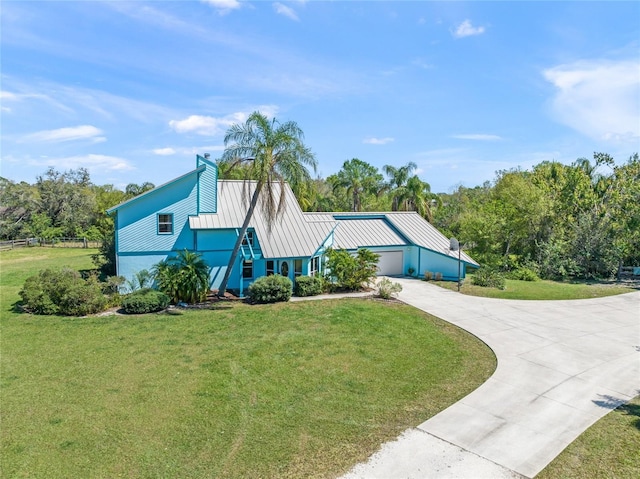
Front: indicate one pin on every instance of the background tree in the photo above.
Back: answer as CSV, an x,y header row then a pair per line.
x,y
359,180
274,153
397,183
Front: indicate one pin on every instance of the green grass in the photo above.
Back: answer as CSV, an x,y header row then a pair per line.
x,y
608,449
545,290
289,390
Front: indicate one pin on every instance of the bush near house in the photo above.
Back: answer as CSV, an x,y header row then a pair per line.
x,y
309,285
524,274
62,291
271,289
145,300
351,272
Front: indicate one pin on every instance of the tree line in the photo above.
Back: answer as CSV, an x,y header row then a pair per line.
x,y
577,220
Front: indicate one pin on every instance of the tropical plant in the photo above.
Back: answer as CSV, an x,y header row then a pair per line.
x,y
275,153
140,280
184,277
359,179
397,182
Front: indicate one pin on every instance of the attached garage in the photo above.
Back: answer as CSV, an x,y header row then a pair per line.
x,y
390,263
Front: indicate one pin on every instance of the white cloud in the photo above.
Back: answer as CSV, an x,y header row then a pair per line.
x,y
598,98
212,126
378,141
164,151
101,162
82,132
223,6
288,12
466,29
477,137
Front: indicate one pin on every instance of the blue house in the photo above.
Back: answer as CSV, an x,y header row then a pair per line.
x,y
201,213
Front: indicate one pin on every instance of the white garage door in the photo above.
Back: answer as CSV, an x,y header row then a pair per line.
x,y
390,263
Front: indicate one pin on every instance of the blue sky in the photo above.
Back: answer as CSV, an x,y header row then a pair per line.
x,y
133,90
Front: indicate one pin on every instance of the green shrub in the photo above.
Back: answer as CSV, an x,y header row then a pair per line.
x,y
62,291
489,278
410,271
428,275
352,272
386,288
524,274
271,289
145,300
309,285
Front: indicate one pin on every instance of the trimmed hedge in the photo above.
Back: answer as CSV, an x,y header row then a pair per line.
x,y
309,285
145,300
271,289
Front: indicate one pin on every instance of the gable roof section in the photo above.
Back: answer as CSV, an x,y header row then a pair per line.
x,y
291,235
156,189
357,229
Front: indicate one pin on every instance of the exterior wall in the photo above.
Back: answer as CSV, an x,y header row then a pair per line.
x,y
207,187
138,243
438,263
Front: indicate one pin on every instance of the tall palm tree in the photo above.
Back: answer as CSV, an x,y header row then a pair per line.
x,y
397,183
275,153
359,178
417,197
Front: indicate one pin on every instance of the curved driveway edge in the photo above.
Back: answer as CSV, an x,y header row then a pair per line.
x,y
562,365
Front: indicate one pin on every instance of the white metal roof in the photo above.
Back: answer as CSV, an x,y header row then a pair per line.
x,y
362,233
290,236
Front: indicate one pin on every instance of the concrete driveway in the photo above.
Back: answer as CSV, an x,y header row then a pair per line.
x,y
562,365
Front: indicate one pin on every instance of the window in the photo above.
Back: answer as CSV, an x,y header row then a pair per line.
x,y
297,267
248,238
314,266
247,269
270,268
284,269
165,224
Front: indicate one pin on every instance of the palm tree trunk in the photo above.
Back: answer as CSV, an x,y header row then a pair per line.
x,y
236,249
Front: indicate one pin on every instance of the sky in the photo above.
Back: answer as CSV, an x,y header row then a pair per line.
x,y
132,91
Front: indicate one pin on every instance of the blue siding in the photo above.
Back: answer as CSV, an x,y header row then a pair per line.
x,y
138,222
208,187
438,263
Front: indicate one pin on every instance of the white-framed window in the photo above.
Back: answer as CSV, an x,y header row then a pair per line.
x,y
247,269
270,267
165,223
248,238
314,266
297,267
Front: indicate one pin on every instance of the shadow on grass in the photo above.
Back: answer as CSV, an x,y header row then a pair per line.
x,y
611,402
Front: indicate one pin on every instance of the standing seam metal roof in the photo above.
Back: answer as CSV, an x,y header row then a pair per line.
x,y
410,224
290,236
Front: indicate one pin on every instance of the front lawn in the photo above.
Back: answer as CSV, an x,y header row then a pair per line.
x,y
545,290
304,389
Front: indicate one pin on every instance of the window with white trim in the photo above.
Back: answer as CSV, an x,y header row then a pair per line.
x,y
165,223
314,266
